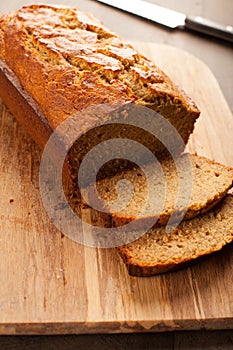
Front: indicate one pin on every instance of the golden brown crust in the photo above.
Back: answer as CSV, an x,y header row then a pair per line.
x,y
67,60
44,73
23,107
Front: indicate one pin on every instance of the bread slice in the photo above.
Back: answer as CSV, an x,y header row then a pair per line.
x,y
159,251
208,184
60,61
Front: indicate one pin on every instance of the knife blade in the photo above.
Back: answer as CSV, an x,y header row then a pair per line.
x,y
172,19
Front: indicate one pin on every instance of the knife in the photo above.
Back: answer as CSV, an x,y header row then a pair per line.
x,y
172,19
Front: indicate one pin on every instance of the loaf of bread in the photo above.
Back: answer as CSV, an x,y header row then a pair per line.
x,y
208,183
159,251
58,61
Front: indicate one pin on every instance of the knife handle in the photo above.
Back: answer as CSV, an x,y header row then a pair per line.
x,y
209,27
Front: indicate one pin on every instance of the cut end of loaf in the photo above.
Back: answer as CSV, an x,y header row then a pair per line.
x,y
208,184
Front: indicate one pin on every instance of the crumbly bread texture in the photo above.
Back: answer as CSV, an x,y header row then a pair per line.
x,y
206,182
66,61
159,251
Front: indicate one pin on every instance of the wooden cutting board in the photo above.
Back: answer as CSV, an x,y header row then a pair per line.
x,y
51,285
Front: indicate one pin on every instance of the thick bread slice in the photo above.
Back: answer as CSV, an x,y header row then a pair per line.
x,y
158,251
209,183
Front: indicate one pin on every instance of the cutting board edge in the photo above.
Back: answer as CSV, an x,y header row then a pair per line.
x,y
104,327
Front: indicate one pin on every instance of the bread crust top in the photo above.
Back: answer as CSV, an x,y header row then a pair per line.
x,y
67,59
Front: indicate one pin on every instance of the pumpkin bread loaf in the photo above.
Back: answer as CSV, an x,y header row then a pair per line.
x,y
56,62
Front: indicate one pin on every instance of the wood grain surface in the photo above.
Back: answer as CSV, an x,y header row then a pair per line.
x,y
51,285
